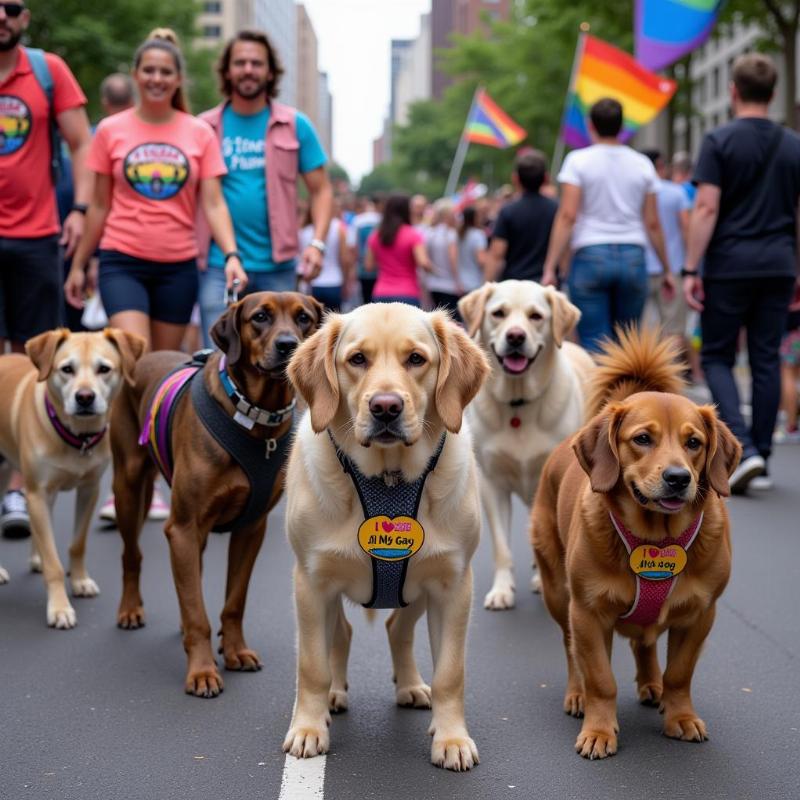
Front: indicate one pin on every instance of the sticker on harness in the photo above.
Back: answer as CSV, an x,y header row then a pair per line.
x,y
390,539
658,563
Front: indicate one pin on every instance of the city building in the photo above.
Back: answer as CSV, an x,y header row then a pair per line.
x,y
220,19
414,77
325,113
278,18
308,88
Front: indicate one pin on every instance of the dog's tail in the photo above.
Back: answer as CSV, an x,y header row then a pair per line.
x,y
642,360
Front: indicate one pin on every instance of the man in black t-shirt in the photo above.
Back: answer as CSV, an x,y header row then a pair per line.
x,y
745,224
522,229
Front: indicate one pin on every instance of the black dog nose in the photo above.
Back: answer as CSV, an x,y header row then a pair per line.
x,y
386,407
285,345
515,336
676,478
84,398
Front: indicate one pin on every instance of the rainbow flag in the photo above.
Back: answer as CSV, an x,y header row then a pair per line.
x,y
602,70
666,30
488,124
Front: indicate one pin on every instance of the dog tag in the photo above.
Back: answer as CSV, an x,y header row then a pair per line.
x,y
658,563
390,539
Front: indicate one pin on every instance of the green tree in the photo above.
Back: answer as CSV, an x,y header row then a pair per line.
x,y
338,173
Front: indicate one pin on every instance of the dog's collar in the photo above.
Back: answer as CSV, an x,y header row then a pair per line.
x,y
80,441
653,587
247,414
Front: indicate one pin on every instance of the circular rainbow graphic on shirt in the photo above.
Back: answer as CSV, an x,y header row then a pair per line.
x,y
156,171
15,124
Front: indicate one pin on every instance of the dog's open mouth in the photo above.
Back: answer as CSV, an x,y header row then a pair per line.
x,y
668,504
516,363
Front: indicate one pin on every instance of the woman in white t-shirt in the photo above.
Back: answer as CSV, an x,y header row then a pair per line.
x,y
443,282
332,284
607,213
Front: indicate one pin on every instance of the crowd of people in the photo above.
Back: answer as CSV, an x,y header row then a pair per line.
x,y
166,216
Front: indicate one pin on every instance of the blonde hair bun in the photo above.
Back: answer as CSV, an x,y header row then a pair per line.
x,y
167,34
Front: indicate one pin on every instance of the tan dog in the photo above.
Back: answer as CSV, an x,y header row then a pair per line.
x,y
78,374
533,400
656,462
384,382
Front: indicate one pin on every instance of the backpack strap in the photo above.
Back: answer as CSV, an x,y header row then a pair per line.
x,y
41,71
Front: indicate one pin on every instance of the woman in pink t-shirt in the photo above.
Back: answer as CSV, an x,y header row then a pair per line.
x,y
152,165
398,250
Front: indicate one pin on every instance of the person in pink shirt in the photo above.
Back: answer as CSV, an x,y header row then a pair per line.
x,y
397,250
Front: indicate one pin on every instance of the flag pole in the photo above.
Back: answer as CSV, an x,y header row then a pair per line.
x,y
461,152
558,153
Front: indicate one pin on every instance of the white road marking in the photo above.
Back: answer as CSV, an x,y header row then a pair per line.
x,y
303,778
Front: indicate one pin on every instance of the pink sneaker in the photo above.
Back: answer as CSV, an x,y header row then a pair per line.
x,y
108,511
159,507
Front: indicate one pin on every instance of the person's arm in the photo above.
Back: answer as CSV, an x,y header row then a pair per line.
x,y
346,261
495,258
452,259
78,282
561,233
370,265
74,127
683,225
320,193
421,259
702,222
655,234
216,212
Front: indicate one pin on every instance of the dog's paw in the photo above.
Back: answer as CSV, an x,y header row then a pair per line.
x,y
458,753
205,682
686,727
536,583
84,587
4,577
306,741
62,618
499,598
650,694
244,660
417,696
130,618
573,704
593,744
35,562
337,701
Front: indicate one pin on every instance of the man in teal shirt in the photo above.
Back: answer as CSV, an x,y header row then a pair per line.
x,y
259,135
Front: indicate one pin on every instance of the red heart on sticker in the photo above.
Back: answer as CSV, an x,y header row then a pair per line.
x,y
654,551
388,526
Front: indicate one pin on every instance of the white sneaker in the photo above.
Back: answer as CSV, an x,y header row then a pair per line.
x,y
762,483
14,520
159,507
743,475
108,511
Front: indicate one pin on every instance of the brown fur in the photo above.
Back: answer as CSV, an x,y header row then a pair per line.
x,y
209,487
586,580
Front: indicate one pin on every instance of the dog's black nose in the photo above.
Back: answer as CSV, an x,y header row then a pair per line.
x,y
515,337
285,345
84,398
676,478
386,407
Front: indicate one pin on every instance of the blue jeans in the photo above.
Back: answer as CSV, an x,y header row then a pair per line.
x,y
608,283
212,292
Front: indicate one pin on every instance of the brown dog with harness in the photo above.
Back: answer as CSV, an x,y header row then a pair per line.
x,y
219,431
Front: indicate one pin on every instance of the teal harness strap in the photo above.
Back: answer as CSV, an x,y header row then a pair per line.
x,y
44,78
400,499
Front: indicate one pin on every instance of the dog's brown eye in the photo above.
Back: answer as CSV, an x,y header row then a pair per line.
x,y
416,360
260,316
694,443
357,360
498,313
67,369
643,439
303,318
103,369
534,315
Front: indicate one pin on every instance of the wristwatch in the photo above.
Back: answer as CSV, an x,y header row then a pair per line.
x,y
318,244
688,273
81,208
233,254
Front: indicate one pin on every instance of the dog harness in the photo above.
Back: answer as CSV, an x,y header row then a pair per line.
x,y
80,441
260,460
656,566
390,533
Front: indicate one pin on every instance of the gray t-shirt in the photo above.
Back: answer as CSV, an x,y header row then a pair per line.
x,y
469,269
671,200
439,239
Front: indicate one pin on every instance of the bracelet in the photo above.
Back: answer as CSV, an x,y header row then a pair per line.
x,y
232,254
318,244
81,208
688,273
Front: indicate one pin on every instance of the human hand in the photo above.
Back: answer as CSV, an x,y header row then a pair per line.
x,y
235,271
75,287
549,277
71,232
668,286
310,263
693,292
795,303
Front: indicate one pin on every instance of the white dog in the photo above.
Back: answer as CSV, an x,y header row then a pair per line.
x,y
533,399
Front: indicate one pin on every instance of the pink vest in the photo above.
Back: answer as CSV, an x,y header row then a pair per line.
x,y
281,166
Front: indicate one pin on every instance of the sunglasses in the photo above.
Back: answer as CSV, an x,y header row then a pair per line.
x,y
12,9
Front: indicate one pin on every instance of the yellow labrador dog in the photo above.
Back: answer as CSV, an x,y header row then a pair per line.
x,y
53,422
383,508
533,400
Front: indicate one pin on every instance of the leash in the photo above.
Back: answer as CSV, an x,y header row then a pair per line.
x,y
83,442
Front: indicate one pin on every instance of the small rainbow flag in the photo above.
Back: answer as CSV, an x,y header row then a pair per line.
x,y
602,70
667,30
488,124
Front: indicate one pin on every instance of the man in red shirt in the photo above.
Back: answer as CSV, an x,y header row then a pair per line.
x,y
30,273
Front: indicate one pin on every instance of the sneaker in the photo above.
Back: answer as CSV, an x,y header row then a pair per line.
x,y
786,436
762,482
108,511
159,507
14,520
748,469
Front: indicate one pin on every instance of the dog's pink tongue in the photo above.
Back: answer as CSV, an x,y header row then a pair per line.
x,y
515,363
671,505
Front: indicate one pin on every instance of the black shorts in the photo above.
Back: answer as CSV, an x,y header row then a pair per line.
x,y
164,290
31,287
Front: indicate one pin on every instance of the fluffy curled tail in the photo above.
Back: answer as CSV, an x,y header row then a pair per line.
x,y
641,360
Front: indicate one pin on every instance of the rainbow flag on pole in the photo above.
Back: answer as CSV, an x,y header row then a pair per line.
x,y
667,30
488,124
602,70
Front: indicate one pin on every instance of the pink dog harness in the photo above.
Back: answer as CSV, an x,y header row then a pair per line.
x,y
656,567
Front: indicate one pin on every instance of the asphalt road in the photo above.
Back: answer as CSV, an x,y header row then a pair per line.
x,y
98,712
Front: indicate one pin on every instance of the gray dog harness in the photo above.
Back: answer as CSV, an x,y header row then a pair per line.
x,y
384,498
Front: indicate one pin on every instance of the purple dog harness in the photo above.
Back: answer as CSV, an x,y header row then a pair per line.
x,y
80,441
656,566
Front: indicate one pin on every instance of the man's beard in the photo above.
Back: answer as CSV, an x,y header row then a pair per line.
x,y
10,43
259,89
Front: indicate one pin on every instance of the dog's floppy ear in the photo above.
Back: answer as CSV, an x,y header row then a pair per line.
x,y
463,367
723,451
225,332
595,445
312,371
471,307
130,346
315,308
41,350
565,314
